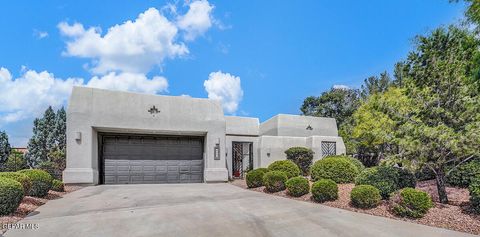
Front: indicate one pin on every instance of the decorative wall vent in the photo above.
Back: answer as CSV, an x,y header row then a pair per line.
x,y
153,110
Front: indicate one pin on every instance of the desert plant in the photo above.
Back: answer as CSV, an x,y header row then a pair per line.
x,y
462,176
410,202
286,166
11,194
301,156
297,186
338,169
41,182
19,177
58,186
324,190
254,177
365,196
274,181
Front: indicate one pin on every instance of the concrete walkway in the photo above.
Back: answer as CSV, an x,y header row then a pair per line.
x,y
203,210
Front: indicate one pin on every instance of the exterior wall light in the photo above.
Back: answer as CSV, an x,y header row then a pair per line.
x,y
78,136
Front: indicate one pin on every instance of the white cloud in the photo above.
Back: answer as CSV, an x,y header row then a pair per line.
x,y
137,46
341,87
40,34
30,94
130,82
226,88
71,30
197,20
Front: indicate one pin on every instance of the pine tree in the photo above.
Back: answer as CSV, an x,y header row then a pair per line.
x,y
5,148
61,129
49,120
43,140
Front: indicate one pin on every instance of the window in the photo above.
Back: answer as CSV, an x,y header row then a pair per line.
x,y
329,149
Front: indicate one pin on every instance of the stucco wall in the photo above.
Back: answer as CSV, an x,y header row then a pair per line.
x,y
296,126
272,148
242,126
91,110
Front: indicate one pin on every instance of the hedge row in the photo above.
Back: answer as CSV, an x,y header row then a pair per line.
x,y
15,185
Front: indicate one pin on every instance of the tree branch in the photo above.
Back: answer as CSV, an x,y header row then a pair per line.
x,y
461,162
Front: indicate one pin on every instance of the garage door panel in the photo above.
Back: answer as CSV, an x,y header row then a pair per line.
x,y
138,159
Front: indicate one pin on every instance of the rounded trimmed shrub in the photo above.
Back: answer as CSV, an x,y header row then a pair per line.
x,y
302,156
297,186
11,194
385,178
58,186
365,196
254,177
19,177
356,162
338,169
41,182
462,176
410,202
286,166
324,190
274,181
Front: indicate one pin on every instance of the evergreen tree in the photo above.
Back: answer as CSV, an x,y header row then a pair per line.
x,y
61,129
375,84
5,148
48,130
43,140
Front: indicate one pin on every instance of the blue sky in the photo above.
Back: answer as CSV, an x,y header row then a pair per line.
x,y
260,57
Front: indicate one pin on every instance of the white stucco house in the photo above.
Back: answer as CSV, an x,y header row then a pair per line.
x,y
121,137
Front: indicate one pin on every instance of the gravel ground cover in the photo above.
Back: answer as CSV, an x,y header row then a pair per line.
x,y
454,216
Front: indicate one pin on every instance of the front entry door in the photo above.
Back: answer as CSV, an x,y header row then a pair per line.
x,y
242,156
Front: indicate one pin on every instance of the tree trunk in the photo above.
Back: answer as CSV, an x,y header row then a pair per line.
x,y
442,192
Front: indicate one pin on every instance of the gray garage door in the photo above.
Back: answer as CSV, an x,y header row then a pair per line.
x,y
147,159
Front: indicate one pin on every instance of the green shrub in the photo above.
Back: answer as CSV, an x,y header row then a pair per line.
x,y
424,173
356,162
15,162
274,181
41,182
385,178
58,186
406,178
287,166
365,196
410,202
49,167
324,190
11,194
462,176
254,177
474,190
338,169
19,177
301,156
297,186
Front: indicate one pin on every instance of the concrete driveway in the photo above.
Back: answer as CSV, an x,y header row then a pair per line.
x,y
203,210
